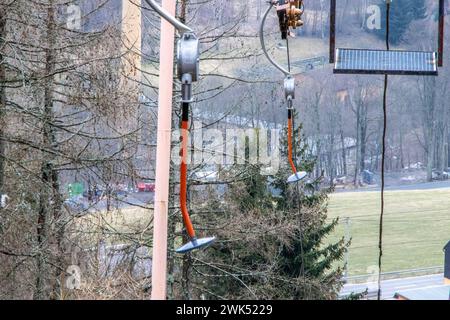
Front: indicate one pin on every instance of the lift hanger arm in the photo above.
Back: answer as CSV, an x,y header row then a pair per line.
x,y
181,27
263,45
332,31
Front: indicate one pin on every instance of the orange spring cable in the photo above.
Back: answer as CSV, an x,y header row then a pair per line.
x,y
183,180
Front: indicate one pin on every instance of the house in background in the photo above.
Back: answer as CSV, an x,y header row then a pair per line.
x,y
430,293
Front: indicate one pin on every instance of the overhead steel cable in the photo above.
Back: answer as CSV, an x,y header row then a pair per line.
x,y
383,155
288,54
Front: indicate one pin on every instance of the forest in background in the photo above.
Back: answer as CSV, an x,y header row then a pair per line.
x,y
68,115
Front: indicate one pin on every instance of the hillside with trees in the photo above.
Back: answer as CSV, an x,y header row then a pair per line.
x,y
78,106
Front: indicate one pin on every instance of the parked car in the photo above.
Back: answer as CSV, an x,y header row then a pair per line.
x,y
98,193
146,187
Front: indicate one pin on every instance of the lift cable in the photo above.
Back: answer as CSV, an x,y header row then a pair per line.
x,y
288,54
383,155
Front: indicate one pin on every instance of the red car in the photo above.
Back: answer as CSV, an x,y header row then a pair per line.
x,y
145,187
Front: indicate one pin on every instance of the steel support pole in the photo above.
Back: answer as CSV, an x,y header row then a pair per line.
x,y
160,221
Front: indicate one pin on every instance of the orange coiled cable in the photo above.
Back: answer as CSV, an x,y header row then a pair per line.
x,y
183,171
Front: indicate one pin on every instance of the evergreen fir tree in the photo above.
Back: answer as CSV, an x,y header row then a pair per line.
x,y
272,246
308,255
419,9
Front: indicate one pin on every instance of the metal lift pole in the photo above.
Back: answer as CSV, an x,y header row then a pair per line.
x,y
160,221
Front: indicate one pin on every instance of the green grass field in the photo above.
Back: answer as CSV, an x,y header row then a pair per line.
x,y
416,228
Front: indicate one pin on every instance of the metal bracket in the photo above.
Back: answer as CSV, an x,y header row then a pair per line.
x,y
181,27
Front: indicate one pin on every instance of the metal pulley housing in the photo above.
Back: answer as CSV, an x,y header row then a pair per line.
x,y
289,87
188,54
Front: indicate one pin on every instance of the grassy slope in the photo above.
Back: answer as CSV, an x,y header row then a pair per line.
x,y
417,226
133,222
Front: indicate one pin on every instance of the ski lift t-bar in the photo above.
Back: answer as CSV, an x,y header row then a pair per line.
x,y
188,57
289,91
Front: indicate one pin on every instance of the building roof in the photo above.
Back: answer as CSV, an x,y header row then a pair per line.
x,y
447,246
441,292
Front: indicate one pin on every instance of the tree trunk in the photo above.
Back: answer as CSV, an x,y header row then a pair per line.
x,y
2,98
318,133
41,291
185,282
344,153
331,162
430,157
362,119
358,146
429,114
50,201
402,160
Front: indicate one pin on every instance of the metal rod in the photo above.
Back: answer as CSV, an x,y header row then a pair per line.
x,y
441,33
263,45
332,31
181,27
288,54
160,221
